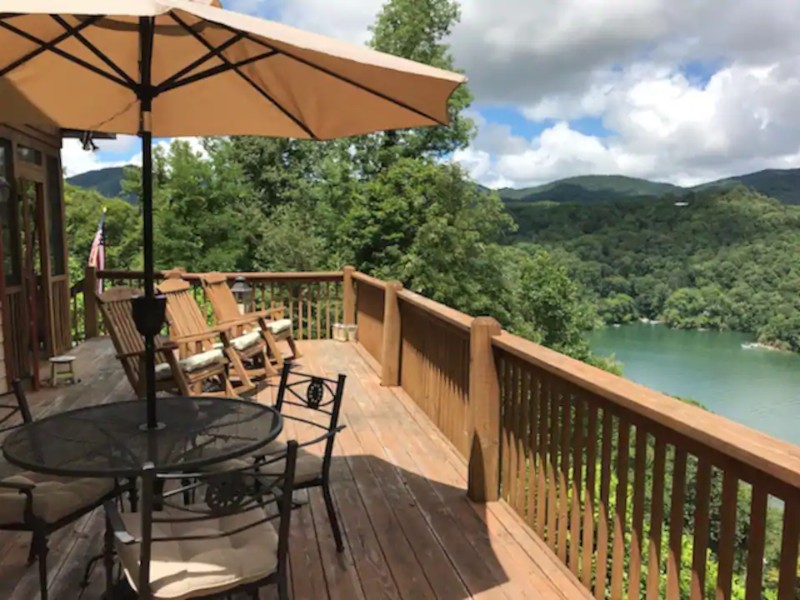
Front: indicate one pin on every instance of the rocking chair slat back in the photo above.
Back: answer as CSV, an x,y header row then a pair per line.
x,y
221,297
183,314
116,306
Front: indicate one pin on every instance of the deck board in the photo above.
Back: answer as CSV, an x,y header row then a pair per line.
x,y
410,532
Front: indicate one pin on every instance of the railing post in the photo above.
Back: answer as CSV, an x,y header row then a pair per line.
x,y
484,402
90,323
390,351
349,296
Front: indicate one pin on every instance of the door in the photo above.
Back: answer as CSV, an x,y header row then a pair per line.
x,y
35,342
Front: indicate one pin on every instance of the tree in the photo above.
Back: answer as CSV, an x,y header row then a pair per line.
x,y
83,209
417,30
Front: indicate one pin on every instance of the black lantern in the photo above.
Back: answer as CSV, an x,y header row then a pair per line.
x,y
243,294
5,190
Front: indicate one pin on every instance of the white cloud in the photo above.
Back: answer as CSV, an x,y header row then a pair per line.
x,y
664,126
76,160
125,150
638,66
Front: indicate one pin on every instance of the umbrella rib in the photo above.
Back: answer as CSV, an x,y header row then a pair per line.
x,y
347,80
94,50
205,58
44,46
162,88
247,79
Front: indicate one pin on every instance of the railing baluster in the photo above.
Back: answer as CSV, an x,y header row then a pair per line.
x,y
639,483
656,522
602,526
755,544
524,467
620,508
552,467
563,487
589,506
541,494
533,452
701,525
787,575
727,534
676,524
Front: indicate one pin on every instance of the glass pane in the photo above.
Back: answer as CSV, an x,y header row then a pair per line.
x,y
54,217
8,217
29,155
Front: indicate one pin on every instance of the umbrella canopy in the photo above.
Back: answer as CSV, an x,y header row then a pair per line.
x,y
178,67
214,72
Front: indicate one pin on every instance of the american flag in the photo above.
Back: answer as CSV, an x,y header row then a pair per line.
x,y
97,254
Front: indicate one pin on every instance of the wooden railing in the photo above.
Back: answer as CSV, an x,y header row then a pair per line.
x,y
370,299
639,494
312,300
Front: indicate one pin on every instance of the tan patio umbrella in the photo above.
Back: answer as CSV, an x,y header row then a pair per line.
x,y
175,68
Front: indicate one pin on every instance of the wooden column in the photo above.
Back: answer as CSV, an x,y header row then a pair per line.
x,y
90,323
392,339
349,293
484,402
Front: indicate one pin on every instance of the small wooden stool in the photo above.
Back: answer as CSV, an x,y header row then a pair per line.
x,y
61,370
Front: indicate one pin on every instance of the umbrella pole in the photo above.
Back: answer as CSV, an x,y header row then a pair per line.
x,y
149,279
148,310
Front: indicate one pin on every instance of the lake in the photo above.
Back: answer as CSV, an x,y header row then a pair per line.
x,y
760,388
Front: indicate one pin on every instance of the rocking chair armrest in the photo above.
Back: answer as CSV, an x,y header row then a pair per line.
x,y
116,525
276,312
248,319
199,337
165,346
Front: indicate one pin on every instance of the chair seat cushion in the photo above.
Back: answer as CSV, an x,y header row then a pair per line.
x,y
163,372
189,568
243,342
202,360
281,328
53,497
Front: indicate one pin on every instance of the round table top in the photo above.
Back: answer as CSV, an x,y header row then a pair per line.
x,y
109,440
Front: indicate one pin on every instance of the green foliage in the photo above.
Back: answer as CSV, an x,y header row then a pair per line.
x,y
725,261
83,209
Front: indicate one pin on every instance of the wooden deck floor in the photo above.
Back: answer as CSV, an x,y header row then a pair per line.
x,y
399,487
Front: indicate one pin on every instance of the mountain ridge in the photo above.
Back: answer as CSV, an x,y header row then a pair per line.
x,y
781,184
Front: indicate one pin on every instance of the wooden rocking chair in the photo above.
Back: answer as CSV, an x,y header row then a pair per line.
x,y
270,322
186,377
189,329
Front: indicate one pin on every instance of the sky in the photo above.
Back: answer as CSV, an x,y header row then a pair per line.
x,y
684,91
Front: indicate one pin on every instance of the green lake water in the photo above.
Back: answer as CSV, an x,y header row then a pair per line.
x,y
760,388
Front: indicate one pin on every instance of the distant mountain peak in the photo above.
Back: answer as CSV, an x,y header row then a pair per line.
x,y
781,184
107,181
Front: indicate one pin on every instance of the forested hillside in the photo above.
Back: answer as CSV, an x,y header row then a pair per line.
x,y
728,260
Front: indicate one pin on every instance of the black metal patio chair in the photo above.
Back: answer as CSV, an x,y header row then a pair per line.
x,y
43,504
233,537
322,398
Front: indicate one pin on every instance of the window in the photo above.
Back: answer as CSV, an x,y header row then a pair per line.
x,y
9,220
54,216
29,155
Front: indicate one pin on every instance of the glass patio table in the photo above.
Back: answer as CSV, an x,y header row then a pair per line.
x,y
110,440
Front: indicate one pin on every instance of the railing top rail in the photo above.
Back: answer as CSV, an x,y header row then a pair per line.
x,y
758,450
298,277
369,280
452,316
